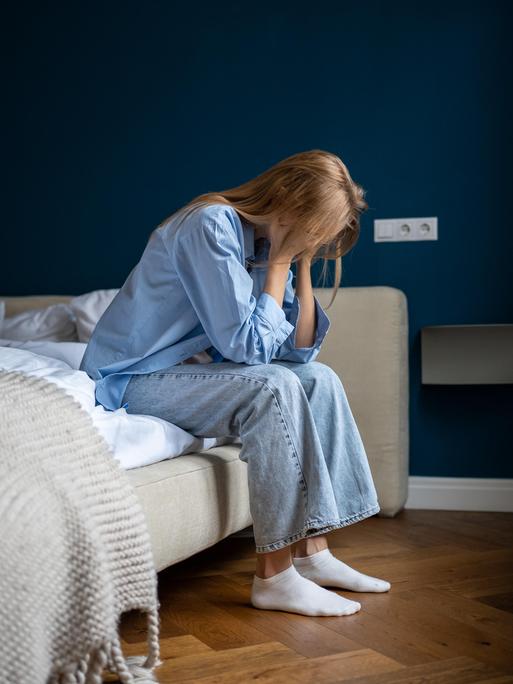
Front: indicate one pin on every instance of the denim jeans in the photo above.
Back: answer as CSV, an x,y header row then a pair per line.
x,y
308,472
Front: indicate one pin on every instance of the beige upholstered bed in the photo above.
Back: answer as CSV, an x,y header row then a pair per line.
x,y
193,501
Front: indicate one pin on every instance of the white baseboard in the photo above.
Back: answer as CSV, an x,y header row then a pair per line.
x,y
460,493
451,494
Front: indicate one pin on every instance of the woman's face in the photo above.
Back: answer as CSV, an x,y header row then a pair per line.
x,y
284,223
281,224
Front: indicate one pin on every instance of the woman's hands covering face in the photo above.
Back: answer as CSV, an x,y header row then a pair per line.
x,y
286,242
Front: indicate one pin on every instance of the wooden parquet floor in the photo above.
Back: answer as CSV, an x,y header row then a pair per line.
x,y
448,618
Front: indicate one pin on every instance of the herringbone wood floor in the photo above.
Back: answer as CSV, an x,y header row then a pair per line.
x,y
448,617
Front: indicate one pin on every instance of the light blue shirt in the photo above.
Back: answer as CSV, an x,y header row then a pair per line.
x,y
193,290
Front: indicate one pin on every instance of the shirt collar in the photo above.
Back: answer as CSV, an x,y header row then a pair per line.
x,y
263,245
249,239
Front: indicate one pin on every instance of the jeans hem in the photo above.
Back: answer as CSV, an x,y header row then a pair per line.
x,y
326,526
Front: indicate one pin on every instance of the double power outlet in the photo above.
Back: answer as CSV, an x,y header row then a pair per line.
x,y
408,229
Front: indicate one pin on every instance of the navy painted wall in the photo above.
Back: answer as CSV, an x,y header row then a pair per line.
x,y
117,113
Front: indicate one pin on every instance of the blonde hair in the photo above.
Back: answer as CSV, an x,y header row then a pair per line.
x,y
313,187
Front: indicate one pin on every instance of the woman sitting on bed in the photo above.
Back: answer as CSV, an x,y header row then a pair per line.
x,y
208,333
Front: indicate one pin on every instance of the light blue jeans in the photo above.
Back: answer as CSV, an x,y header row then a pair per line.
x,y
308,472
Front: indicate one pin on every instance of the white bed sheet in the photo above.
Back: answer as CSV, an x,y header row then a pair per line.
x,y
135,440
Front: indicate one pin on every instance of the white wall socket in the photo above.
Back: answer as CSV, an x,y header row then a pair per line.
x,y
407,229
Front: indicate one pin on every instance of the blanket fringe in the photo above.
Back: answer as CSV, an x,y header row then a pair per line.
x,y
109,656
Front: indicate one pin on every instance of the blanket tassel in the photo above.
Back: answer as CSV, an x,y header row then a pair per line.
x,y
136,669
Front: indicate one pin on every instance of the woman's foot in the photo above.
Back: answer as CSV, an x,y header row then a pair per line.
x,y
289,591
324,569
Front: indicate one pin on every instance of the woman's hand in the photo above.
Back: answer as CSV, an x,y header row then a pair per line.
x,y
286,243
308,255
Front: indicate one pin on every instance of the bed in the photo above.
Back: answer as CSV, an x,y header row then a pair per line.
x,y
194,491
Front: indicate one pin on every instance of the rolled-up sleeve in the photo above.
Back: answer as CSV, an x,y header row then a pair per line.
x,y
208,260
292,307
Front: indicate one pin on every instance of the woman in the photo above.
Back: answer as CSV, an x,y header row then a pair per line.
x,y
208,333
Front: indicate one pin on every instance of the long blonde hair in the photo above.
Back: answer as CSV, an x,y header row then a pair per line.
x,y
315,188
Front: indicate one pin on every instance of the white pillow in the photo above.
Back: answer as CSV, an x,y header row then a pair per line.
x,y
55,322
88,309
76,383
69,352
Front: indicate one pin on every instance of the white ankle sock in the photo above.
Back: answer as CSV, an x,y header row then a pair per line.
x,y
324,569
289,591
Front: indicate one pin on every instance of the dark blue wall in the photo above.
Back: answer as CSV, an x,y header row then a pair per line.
x,y
117,113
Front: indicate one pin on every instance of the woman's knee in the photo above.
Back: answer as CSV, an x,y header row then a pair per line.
x,y
279,378
316,372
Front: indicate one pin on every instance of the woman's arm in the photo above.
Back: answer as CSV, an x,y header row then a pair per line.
x,y
276,281
292,348
209,263
307,324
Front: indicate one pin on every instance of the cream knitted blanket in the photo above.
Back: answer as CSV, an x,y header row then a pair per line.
x,y
74,547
